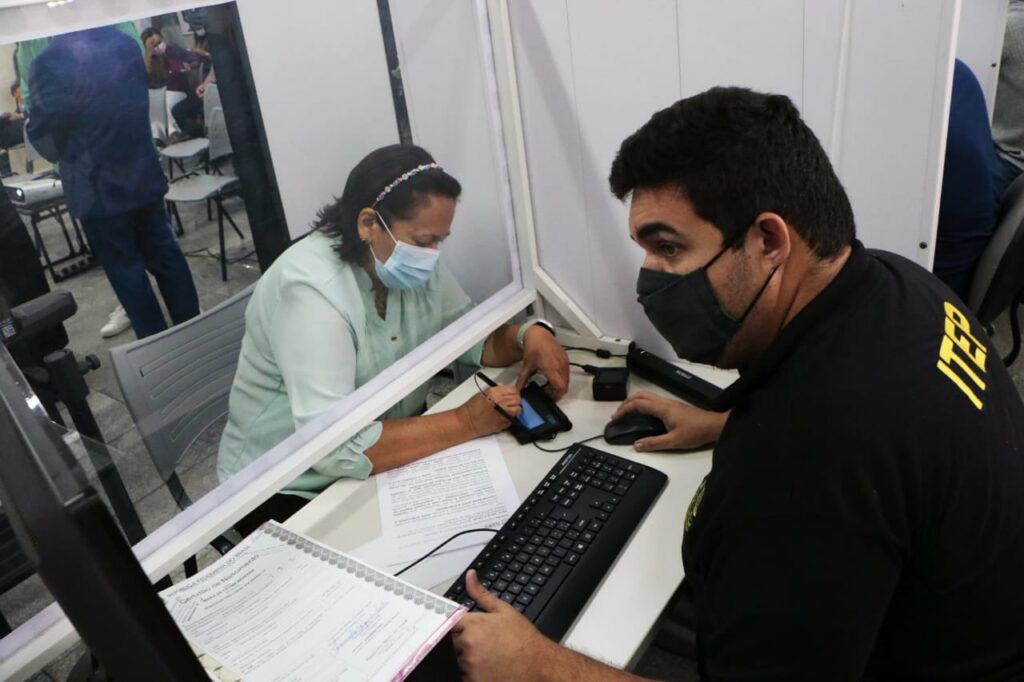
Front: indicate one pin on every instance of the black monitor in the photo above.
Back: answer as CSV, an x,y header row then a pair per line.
x,y
77,549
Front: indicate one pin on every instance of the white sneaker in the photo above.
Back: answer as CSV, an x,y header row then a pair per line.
x,y
116,323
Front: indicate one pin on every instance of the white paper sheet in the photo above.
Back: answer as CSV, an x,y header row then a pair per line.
x,y
427,574
424,503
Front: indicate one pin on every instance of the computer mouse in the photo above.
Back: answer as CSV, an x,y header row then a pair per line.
x,y
630,428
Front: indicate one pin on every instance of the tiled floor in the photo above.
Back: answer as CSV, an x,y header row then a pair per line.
x,y
155,506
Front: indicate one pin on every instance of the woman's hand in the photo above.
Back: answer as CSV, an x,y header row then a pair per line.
x,y
543,353
688,427
481,418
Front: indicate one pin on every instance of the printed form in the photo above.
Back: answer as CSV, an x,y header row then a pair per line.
x,y
424,503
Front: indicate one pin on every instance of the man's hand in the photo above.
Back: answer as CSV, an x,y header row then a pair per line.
x,y
499,644
543,353
688,427
201,90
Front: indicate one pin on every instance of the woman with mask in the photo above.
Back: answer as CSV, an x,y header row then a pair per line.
x,y
337,308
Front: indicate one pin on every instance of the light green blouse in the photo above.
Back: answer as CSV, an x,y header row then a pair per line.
x,y
312,336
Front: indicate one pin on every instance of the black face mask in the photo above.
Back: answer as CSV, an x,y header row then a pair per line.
x,y
684,310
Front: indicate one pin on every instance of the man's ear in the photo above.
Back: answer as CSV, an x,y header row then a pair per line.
x,y
772,239
366,221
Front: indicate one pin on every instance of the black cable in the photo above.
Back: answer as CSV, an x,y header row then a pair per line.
x,y
589,369
599,352
585,440
428,554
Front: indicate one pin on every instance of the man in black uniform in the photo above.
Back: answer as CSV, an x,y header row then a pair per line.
x,y
864,516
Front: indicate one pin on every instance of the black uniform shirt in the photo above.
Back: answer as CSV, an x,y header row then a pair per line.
x,y
864,516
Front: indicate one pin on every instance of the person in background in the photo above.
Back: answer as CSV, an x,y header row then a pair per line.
x,y
172,66
1008,115
12,126
337,308
969,201
90,112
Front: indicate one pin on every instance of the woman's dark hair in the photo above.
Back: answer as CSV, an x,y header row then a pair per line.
x,y
735,153
146,33
377,170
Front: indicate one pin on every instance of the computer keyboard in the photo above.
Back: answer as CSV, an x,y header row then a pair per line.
x,y
552,553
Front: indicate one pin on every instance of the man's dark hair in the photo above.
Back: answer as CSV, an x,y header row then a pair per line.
x,y
370,176
733,154
150,31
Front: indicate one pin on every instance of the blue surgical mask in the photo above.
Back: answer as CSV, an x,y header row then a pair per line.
x,y
408,266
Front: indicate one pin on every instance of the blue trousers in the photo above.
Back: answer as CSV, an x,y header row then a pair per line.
x,y
128,245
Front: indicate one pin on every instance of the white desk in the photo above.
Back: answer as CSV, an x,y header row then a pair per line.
x,y
616,623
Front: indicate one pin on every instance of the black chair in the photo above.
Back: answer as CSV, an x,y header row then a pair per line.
x,y
998,281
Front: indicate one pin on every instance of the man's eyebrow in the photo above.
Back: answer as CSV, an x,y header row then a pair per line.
x,y
650,230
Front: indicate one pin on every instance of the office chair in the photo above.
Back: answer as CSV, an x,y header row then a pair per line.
x,y
213,185
998,281
176,384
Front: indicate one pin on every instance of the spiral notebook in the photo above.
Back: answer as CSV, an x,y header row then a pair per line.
x,y
281,606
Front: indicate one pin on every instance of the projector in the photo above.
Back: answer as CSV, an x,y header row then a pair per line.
x,y
28,191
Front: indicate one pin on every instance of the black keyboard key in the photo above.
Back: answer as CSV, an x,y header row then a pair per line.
x,y
546,570
595,526
529,569
529,549
521,608
579,547
500,585
508,597
524,599
468,603
551,561
515,588
508,575
566,501
539,579
522,578
620,490
544,551
521,558
581,524
572,559
491,575
557,534
587,537
537,560
565,542
515,567
559,552
607,507
532,588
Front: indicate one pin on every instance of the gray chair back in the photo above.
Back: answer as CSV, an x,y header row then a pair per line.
x,y
998,279
158,113
217,133
176,383
211,101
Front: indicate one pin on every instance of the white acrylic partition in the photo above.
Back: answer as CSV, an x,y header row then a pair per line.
x,y
871,77
48,633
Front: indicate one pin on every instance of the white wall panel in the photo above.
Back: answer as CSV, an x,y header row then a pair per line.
x,y
625,65
823,41
894,111
980,42
452,111
322,82
871,78
544,69
758,45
